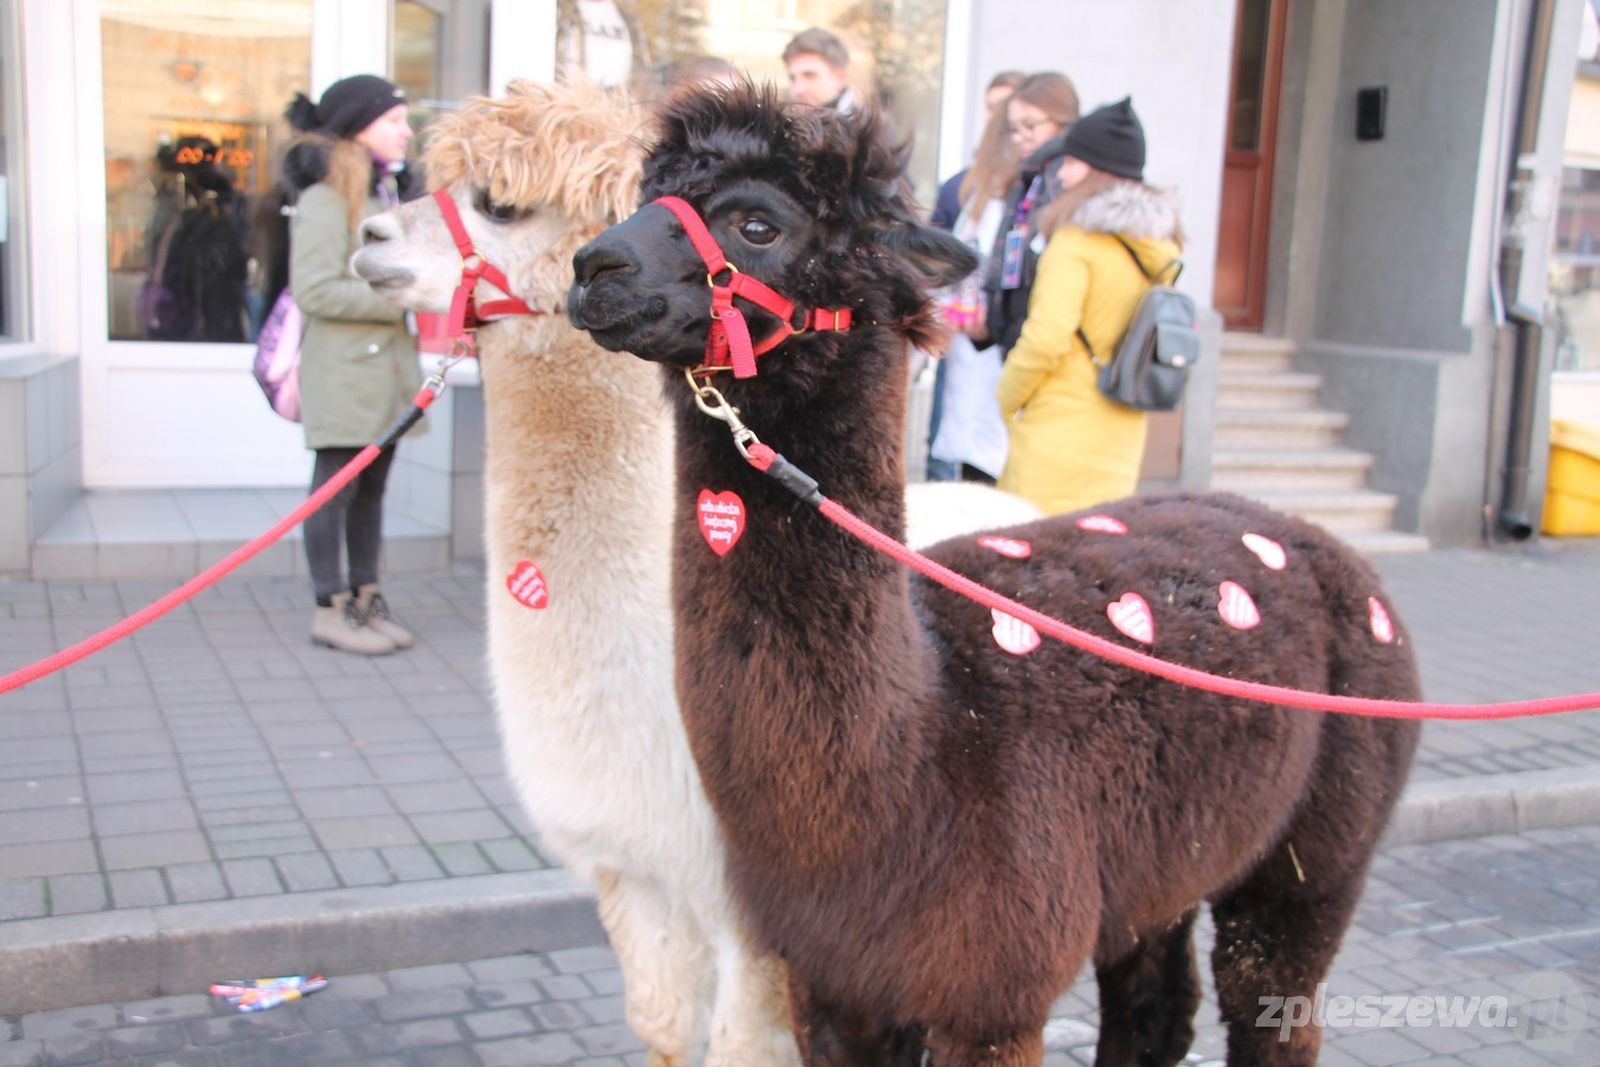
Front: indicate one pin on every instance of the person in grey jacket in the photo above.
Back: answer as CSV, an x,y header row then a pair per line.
x,y
358,361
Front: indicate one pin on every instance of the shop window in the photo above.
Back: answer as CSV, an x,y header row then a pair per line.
x,y
1575,273
194,99
13,208
896,50
441,54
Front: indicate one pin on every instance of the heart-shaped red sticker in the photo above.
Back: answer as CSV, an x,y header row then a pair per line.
x,y
527,586
1131,615
1236,607
1007,546
1012,634
721,517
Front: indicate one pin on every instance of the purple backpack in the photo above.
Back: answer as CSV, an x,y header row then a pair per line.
x,y
277,363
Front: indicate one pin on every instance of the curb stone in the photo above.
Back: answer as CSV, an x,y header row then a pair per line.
x,y
139,953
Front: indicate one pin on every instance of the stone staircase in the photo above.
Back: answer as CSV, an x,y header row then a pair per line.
x,y
1274,444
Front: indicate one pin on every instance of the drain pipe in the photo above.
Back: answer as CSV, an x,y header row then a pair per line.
x,y
1526,322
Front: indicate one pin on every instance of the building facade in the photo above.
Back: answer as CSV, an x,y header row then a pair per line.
x,y
1343,168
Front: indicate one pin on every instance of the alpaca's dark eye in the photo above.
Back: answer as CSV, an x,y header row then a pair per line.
x,y
491,209
758,231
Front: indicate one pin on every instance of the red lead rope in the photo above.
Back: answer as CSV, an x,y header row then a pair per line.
x,y
774,465
728,343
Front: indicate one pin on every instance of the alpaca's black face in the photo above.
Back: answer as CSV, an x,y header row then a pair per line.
x,y
809,202
641,287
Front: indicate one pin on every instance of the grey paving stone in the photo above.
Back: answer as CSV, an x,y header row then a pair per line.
x,y
346,801
45,824
440,796
404,1006
506,1022
583,960
424,768
236,1028
302,871
134,785
257,831
310,773
461,859
447,826
49,857
360,866
429,978
251,877
137,889
73,1049
511,854
608,1009
22,898
144,816
273,846
536,1049
606,1040
411,863
158,849
168,1009
69,1021
25,794
22,1054
128,1042
366,831
72,894
503,968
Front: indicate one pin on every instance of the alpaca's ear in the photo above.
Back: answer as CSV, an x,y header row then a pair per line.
x,y
938,256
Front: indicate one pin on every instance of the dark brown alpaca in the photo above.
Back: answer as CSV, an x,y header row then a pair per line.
x,y
933,831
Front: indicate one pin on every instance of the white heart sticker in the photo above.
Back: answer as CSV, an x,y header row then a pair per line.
x,y
1268,551
1382,625
527,586
1007,546
1236,607
1102,524
1131,615
1012,634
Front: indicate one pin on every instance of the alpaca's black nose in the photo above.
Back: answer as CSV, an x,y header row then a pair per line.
x,y
599,258
382,227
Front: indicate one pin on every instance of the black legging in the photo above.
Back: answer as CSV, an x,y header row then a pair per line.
x,y
355,514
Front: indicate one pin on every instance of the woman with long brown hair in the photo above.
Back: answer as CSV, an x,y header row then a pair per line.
x,y
1110,236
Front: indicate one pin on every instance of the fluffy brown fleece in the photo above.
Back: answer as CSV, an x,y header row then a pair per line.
x,y
935,833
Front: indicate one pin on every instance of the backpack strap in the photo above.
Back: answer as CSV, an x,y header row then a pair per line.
x,y
1148,277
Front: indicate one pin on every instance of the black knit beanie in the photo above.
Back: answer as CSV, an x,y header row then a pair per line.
x,y
347,107
1109,139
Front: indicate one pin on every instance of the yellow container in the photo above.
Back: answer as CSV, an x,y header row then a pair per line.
x,y
1572,488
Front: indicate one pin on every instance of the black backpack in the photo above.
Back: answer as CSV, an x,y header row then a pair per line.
x,y
1151,363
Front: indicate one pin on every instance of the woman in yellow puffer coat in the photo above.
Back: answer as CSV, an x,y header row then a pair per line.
x,y
1109,236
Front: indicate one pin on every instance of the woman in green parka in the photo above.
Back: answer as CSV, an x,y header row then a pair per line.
x,y
358,361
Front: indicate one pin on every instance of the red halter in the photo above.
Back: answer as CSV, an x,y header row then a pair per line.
x,y
729,344
465,312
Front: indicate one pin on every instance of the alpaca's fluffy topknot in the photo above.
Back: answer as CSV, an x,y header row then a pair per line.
x,y
505,147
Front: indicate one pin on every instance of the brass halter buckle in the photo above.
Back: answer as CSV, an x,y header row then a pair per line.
x,y
711,401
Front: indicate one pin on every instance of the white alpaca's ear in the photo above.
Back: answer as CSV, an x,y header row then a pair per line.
x,y
940,257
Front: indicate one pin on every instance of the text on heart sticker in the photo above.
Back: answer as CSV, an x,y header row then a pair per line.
x,y
1131,615
527,586
721,518
1103,524
1007,546
1236,607
1012,634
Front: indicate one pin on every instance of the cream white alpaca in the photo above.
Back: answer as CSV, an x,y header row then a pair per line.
x,y
577,482
576,479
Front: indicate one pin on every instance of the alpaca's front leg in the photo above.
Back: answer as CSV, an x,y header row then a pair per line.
x,y
752,1021
664,961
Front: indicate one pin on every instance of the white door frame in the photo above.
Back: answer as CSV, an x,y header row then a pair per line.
x,y
165,414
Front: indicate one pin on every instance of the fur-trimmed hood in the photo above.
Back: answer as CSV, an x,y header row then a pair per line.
x,y
1131,209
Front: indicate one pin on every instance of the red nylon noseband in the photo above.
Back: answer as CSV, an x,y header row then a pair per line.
x,y
728,344
466,313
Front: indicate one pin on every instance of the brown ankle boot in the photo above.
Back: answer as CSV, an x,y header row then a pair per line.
x,y
375,610
343,627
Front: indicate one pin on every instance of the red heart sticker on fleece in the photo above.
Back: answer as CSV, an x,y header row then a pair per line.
x,y
1131,615
1007,546
1102,524
1236,607
527,586
721,517
1382,625
1268,551
1012,634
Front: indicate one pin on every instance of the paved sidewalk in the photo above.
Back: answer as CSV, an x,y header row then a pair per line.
x,y
215,775
1524,941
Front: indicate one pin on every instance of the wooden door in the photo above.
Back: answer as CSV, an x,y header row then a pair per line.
x,y
1247,163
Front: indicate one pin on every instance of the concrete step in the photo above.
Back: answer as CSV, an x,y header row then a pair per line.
x,y
1248,470
173,534
1279,430
1253,352
1338,511
1280,390
1384,542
